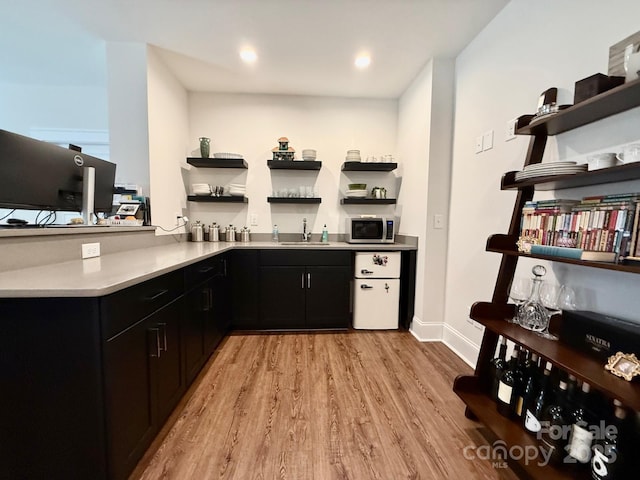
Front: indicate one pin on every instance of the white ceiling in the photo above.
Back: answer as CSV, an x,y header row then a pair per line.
x,y
304,47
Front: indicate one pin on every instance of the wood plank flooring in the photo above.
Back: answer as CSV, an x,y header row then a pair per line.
x,y
354,405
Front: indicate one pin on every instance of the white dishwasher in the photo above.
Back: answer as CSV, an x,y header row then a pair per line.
x,y
376,300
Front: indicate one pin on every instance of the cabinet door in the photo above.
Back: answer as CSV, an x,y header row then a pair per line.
x,y
170,376
328,297
243,271
197,309
282,297
128,394
217,323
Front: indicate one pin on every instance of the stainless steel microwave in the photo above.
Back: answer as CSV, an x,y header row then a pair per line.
x,y
370,230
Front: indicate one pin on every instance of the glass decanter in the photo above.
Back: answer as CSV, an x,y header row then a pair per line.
x,y
531,314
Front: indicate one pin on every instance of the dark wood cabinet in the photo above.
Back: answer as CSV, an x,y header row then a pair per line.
x,y
494,315
243,280
304,289
207,312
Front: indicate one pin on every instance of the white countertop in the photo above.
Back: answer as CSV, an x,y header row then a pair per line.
x,y
106,274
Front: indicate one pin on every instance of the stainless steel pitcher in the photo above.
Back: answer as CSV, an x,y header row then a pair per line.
x,y
214,232
197,232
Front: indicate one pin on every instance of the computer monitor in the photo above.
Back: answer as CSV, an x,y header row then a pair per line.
x,y
36,175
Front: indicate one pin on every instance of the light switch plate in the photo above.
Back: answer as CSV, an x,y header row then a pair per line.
x,y
479,144
253,219
510,132
90,250
487,140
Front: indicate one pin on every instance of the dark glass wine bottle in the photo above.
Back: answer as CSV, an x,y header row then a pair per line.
x,y
554,420
572,390
497,366
608,461
579,446
524,367
531,384
509,381
534,411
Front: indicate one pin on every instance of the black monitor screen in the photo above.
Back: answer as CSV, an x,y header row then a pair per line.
x,y
37,175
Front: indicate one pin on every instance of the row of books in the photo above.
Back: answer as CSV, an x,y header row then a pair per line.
x,y
607,223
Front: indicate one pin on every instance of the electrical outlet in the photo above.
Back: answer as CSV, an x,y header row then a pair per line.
x,y
510,132
438,221
479,144
487,140
90,250
253,219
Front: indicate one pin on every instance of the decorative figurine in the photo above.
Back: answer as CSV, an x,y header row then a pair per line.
x,y
283,151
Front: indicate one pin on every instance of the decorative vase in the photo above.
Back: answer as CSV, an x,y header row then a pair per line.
x,y
204,146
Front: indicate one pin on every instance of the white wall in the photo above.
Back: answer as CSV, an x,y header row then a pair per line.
x,y
251,125
527,48
128,112
168,140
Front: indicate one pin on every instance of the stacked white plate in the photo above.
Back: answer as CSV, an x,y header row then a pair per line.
x,y
550,169
353,156
227,155
237,190
201,189
356,193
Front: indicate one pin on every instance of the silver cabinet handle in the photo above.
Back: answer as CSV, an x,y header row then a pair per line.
x,y
364,286
224,264
157,352
364,271
156,295
205,270
308,280
302,277
164,336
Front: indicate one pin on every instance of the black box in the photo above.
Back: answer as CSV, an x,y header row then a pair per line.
x,y
599,335
593,85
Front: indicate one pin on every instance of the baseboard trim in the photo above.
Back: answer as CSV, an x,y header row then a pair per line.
x,y
426,331
463,347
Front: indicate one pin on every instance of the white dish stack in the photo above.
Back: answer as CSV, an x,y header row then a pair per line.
x,y
237,190
201,189
353,156
227,156
309,154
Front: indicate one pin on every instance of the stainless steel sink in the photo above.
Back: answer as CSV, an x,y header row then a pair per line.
x,y
315,244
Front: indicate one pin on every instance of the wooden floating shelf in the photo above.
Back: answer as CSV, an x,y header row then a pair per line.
x,y
223,199
617,100
368,167
494,317
294,164
506,245
621,173
294,200
368,201
217,162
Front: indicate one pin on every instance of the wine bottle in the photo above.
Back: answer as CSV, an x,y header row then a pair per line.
x,y
572,390
497,366
530,388
509,381
608,460
535,409
579,446
524,367
554,419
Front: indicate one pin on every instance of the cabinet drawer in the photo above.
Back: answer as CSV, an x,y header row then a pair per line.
x,y
204,270
124,308
305,257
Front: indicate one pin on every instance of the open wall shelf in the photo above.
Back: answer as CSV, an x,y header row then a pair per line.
x,y
368,167
223,199
368,201
217,162
294,164
294,200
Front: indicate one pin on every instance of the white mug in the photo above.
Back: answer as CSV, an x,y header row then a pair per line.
x,y
630,153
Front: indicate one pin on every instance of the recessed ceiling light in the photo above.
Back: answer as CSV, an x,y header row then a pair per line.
x,y
248,55
363,60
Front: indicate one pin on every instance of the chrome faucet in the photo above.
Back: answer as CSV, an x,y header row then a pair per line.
x,y
305,235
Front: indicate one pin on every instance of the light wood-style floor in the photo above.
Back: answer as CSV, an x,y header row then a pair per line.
x,y
354,405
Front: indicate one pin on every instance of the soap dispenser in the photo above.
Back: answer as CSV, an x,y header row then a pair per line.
x,y
325,234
